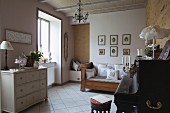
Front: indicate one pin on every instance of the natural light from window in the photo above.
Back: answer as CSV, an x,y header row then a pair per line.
x,y
49,36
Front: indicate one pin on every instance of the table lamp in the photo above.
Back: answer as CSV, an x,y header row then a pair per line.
x,y
6,45
153,32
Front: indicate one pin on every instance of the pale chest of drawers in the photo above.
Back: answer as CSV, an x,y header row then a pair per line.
x,y
22,89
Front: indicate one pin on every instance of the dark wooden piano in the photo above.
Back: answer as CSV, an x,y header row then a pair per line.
x,y
147,90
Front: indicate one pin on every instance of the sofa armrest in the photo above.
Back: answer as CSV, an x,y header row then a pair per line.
x,y
83,69
83,73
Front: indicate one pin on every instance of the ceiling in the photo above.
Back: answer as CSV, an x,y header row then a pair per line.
x,y
94,6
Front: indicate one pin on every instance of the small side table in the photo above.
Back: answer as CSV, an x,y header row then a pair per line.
x,y
100,106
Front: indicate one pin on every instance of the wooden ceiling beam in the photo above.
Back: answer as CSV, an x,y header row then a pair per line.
x,y
113,9
43,1
85,4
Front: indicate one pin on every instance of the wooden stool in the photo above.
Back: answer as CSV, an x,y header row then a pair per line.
x,y
100,107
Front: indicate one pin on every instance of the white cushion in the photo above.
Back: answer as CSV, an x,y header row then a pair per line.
x,y
90,74
101,66
96,65
111,74
79,65
103,71
93,69
118,66
75,66
111,66
121,74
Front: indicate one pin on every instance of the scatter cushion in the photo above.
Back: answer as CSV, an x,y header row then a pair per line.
x,y
93,69
79,65
118,67
102,68
96,66
90,73
103,72
75,66
111,74
110,66
119,71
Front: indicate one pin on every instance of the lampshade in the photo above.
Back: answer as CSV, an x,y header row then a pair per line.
x,y
155,32
6,45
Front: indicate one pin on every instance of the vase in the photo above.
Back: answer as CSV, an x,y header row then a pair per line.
x,y
36,64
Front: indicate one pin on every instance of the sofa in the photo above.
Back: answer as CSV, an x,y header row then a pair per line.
x,y
97,82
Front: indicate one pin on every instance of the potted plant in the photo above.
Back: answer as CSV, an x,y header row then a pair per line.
x,y
149,51
36,56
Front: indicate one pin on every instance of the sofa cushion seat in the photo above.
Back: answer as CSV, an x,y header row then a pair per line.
x,y
103,79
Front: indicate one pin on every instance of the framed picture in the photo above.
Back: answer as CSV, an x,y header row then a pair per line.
x,y
113,39
101,40
101,51
113,51
65,46
18,36
126,39
126,51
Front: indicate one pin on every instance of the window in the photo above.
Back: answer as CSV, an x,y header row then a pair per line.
x,y
49,36
44,36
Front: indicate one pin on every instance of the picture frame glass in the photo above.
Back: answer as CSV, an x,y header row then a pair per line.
x,y
101,51
126,39
113,39
101,39
126,51
18,36
113,51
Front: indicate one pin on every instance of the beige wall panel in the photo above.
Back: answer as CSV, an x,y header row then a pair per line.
x,y
158,13
81,42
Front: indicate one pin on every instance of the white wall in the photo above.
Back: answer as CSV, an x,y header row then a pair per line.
x,y
116,23
20,15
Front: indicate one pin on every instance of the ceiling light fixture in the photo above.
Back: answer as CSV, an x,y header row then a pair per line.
x,y
79,15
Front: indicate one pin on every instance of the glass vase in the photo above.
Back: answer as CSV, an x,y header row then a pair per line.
x,y
36,64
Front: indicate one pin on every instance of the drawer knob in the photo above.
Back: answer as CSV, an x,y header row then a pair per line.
x,y
21,78
21,102
21,90
149,105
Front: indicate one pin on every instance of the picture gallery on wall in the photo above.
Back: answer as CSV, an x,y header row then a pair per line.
x,y
126,40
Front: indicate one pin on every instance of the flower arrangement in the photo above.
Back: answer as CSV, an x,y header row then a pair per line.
x,y
36,55
149,51
44,60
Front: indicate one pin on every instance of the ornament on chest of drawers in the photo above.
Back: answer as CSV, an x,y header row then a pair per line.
x,y
22,61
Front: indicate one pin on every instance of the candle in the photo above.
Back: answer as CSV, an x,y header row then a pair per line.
x,y
129,62
122,60
139,52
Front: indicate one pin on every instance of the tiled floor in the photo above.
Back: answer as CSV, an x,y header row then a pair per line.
x,y
67,99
